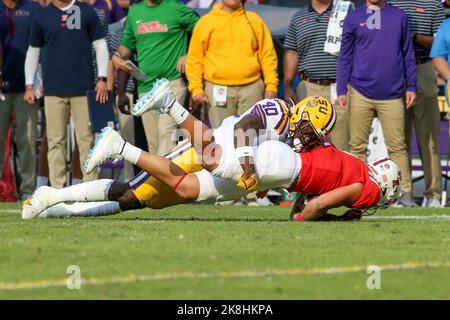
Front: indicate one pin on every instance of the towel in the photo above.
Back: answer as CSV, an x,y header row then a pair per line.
x,y
334,32
38,83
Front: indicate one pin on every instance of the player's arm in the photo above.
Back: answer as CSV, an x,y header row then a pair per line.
x,y
245,131
317,208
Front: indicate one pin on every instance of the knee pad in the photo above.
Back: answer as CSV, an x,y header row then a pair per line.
x,y
128,201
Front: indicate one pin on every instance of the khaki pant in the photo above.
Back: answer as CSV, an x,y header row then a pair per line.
x,y
239,100
24,135
58,111
160,128
391,114
126,123
426,117
340,136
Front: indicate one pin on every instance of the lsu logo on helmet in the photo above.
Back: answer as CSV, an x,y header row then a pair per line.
x,y
311,121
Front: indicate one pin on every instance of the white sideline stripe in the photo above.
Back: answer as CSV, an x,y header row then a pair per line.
x,y
43,284
393,217
10,210
408,217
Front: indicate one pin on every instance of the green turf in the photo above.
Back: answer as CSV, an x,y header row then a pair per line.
x,y
223,241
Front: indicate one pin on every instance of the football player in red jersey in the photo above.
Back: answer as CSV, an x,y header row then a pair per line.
x,y
331,178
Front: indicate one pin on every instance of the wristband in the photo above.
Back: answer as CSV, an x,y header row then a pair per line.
x,y
245,151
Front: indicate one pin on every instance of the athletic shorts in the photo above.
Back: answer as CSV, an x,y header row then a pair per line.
x,y
155,194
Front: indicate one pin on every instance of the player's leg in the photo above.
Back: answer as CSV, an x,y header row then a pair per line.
x,y
161,98
151,193
121,199
143,190
156,194
81,209
214,189
185,185
110,144
92,191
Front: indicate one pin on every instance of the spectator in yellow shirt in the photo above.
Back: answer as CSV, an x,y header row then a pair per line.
x,y
231,61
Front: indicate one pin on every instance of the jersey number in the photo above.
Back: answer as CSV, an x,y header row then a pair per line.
x,y
269,108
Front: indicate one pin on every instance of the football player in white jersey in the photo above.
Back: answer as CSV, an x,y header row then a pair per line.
x,y
227,151
278,167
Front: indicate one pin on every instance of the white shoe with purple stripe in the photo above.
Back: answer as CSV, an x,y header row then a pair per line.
x,y
109,146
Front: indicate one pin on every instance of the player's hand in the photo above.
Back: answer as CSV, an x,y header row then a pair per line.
x,y
352,215
102,91
343,103
120,64
411,98
290,94
29,95
270,94
248,183
262,194
123,103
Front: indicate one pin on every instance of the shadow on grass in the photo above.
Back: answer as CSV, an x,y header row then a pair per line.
x,y
181,219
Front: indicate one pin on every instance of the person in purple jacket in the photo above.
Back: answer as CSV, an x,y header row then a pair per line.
x,y
110,8
376,76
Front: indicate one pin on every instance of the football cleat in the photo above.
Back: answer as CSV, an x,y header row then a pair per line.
x,y
159,98
40,201
108,146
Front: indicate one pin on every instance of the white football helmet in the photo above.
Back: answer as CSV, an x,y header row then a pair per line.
x,y
387,175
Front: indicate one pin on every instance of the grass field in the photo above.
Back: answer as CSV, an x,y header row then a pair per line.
x,y
215,252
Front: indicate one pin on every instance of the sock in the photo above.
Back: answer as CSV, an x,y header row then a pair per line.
x,y
178,113
131,153
41,181
76,181
82,209
96,190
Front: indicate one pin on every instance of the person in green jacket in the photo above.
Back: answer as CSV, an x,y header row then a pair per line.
x,y
158,31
